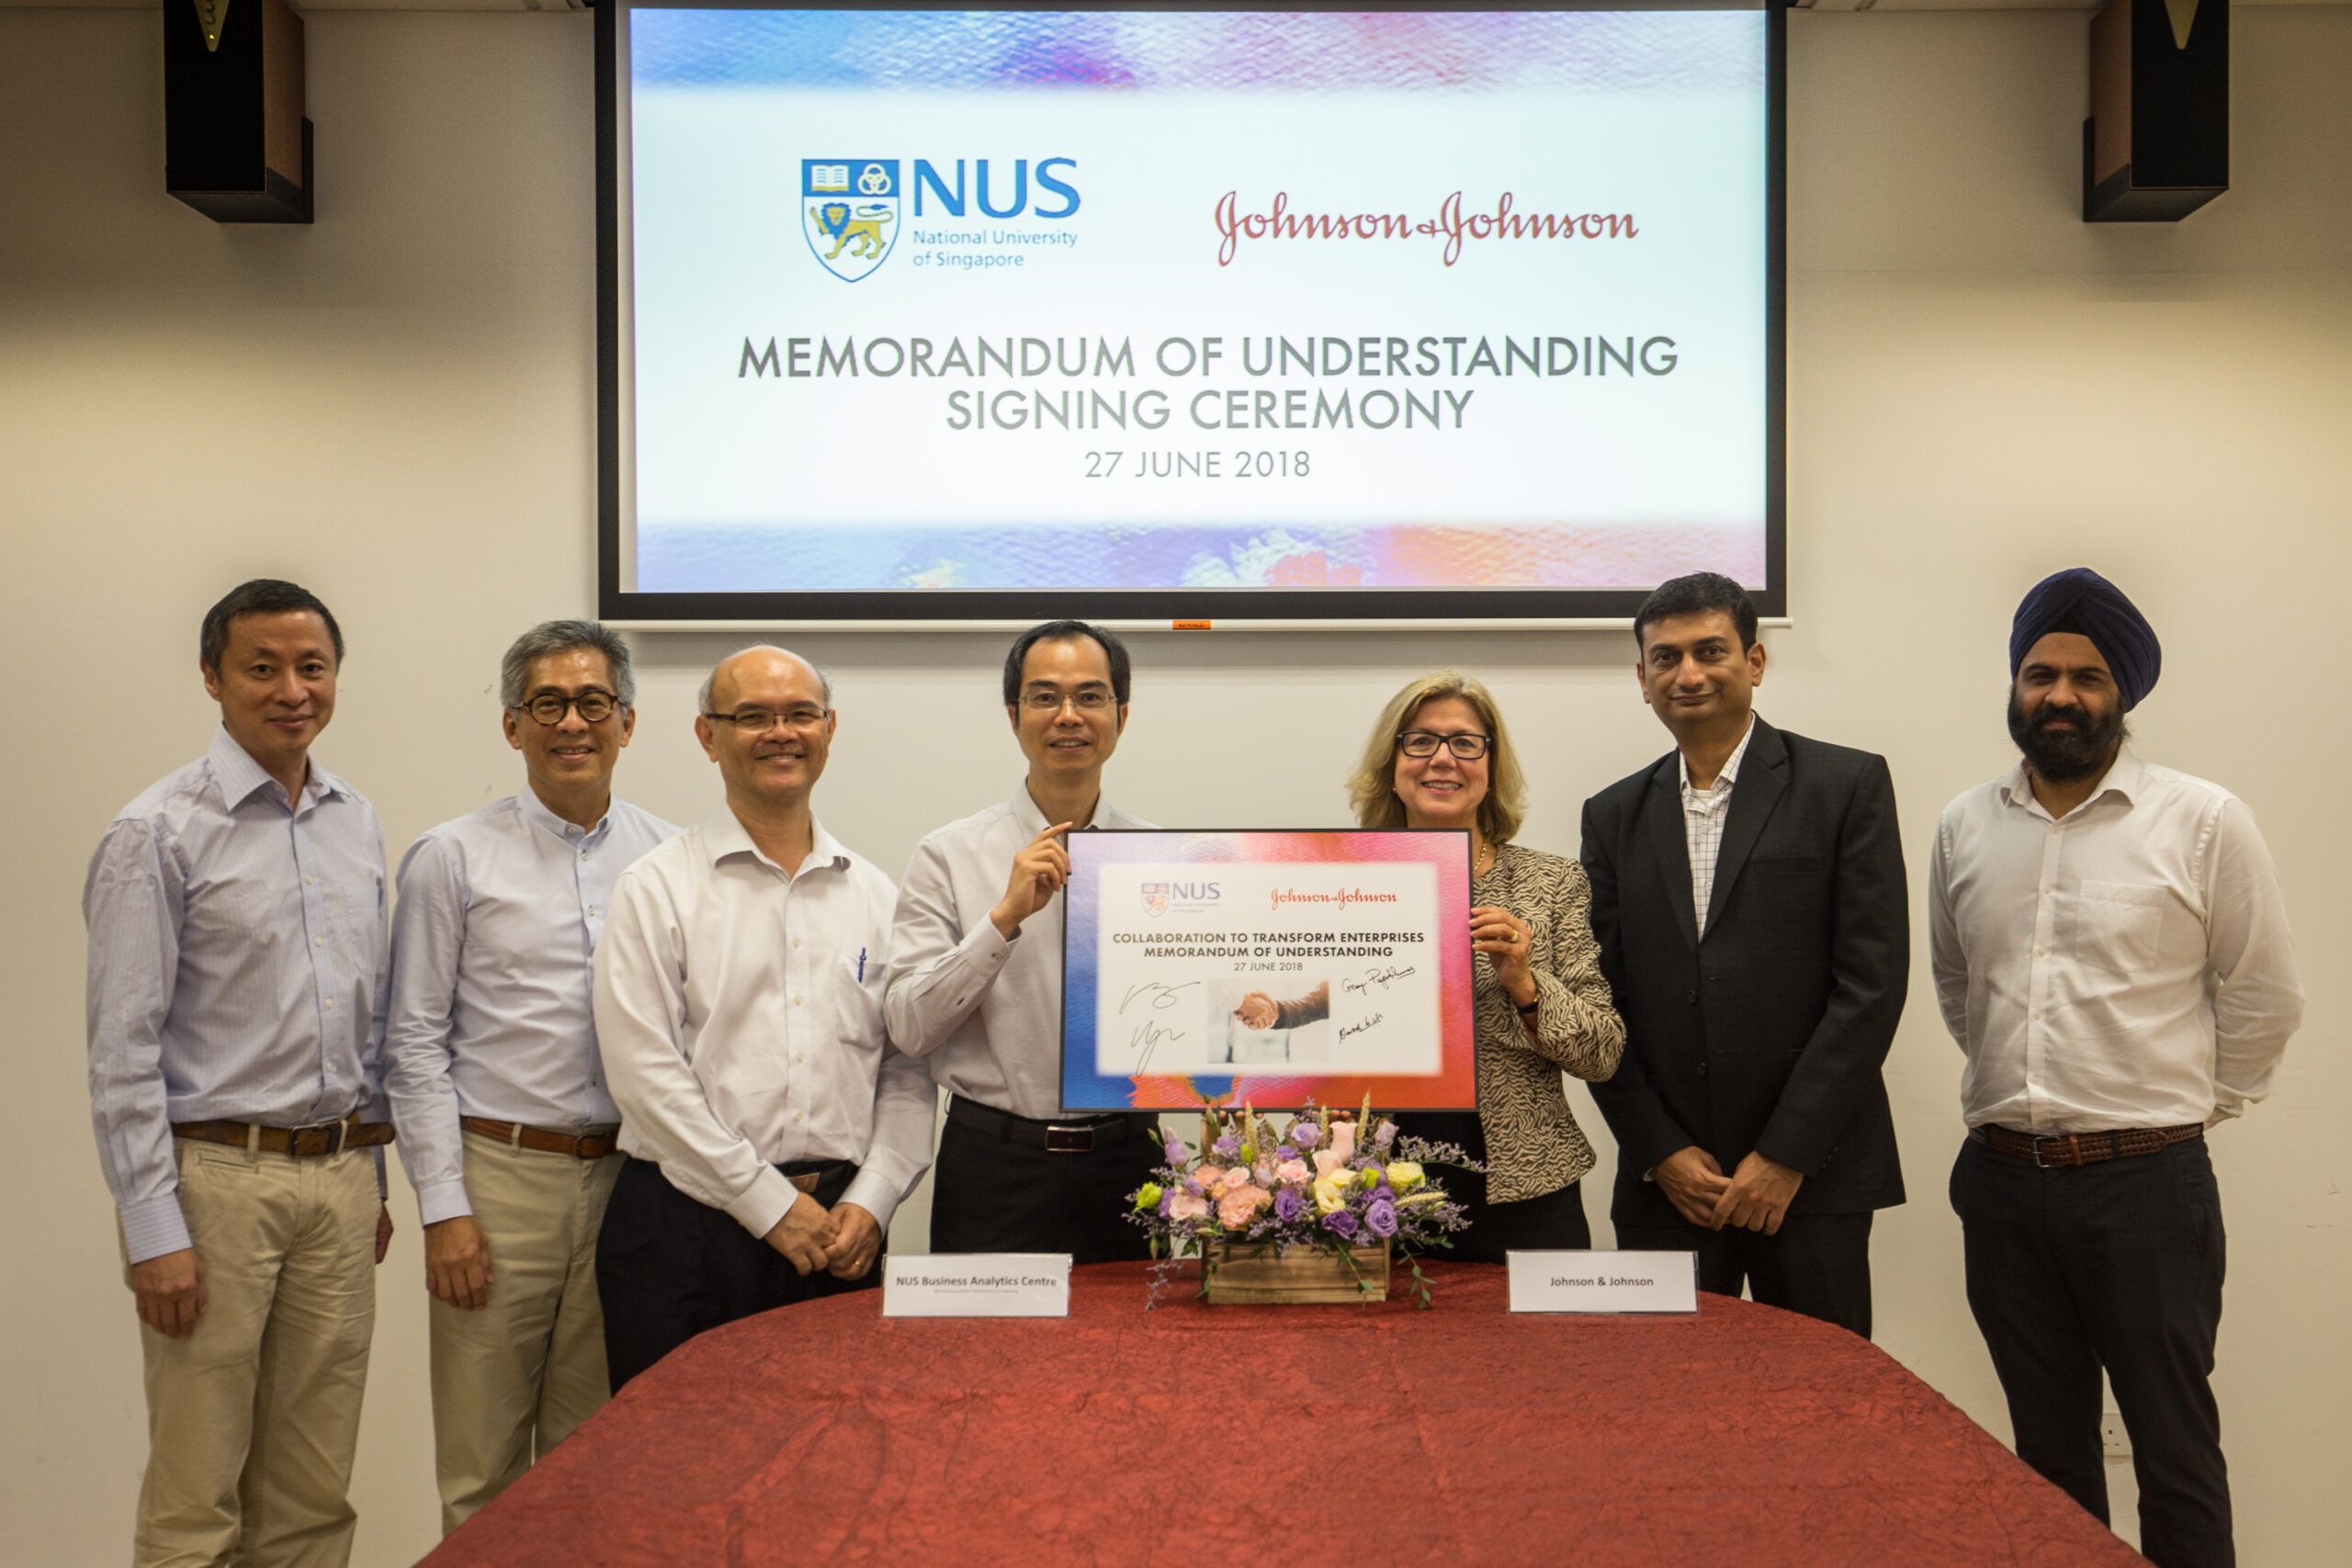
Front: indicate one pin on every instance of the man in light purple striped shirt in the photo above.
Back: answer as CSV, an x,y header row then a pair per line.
x,y
235,1002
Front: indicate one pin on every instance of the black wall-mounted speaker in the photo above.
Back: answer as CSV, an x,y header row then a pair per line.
x,y
2156,146
236,147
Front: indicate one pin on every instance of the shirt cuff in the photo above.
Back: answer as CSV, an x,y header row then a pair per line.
x,y
154,1226
767,1199
870,1190
442,1200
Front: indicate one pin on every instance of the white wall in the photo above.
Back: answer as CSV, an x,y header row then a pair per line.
x,y
394,407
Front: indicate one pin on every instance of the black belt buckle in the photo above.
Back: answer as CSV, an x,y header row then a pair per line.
x,y
1069,1139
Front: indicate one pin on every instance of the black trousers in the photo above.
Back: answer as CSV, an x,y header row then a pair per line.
x,y
1553,1222
669,1267
1818,1264
2116,1266
989,1194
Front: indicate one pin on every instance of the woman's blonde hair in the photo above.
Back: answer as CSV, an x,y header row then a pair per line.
x,y
1372,788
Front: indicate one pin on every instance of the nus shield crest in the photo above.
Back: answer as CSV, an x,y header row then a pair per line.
x,y
1155,899
849,210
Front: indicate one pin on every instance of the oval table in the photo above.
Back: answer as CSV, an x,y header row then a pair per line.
x,y
1280,1438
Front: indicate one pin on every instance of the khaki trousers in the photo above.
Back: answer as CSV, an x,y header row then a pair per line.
x,y
252,1419
511,1381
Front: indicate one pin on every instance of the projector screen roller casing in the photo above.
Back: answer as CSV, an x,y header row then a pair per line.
x,y
1144,314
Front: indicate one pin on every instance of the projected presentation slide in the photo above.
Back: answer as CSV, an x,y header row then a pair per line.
x,y
1094,300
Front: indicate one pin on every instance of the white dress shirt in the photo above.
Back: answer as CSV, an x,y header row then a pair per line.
x,y
2125,965
984,1012
236,970
740,1011
1703,811
491,1012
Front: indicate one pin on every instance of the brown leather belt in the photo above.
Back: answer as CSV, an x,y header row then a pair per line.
x,y
2069,1149
579,1145
322,1138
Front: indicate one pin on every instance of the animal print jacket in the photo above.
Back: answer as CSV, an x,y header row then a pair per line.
x,y
1533,1144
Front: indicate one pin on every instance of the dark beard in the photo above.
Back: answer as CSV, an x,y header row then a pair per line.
x,y
2063,756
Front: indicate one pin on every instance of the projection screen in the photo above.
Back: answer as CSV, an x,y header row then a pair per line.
x,y
1214,314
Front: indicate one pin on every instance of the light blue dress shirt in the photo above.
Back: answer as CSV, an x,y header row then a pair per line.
x,y
492,1011
236,970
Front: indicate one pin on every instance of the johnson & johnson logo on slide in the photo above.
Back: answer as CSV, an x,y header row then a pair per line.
x,y
1279,222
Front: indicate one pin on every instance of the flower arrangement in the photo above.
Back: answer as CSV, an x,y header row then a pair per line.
x,y
1326,1183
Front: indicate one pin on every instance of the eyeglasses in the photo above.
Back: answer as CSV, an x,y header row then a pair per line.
x,y
1090,699
549,708
1425,742
759,721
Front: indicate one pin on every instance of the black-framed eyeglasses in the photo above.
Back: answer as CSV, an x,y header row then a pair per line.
x,y
1087,699
1425,742
549,707
759,721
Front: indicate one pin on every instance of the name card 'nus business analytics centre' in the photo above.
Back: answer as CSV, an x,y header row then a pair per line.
x,y
977,1284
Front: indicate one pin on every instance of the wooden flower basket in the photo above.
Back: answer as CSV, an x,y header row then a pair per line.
x,y
1255,1276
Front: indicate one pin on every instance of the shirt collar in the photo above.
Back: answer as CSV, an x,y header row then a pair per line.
x,y
723,835
536,812
2125,777
1730,775
238,776
1024,810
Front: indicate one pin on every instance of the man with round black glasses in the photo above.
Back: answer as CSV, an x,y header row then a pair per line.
x,y
496,1084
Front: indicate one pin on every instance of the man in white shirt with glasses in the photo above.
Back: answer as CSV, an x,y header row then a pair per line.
x,y
772,1129
506,1126
976,990
2111,951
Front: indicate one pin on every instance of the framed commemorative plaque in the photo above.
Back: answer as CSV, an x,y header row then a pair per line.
x,y
1272,966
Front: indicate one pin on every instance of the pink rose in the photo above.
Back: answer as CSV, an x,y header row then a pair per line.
x,y
1344,1139
1185,1206
1327,1160
1209,1175
1292,1171
1235,1207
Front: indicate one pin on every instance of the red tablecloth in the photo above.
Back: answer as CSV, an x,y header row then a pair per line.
x,y
1280,1438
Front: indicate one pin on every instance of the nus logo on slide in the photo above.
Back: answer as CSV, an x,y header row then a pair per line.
x,y
851,208
850,211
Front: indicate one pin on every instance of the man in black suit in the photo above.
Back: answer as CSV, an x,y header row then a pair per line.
x,y
1748,891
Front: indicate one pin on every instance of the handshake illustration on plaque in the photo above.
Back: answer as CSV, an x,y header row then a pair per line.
x,y
1259,1010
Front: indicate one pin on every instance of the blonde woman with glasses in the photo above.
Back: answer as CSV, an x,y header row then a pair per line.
x,y
1441,758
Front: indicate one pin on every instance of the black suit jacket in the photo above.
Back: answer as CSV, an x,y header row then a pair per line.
x,y
1769,1033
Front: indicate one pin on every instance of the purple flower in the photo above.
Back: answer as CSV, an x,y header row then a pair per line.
x,y
1380,1218
1226,1147
1385,1136
1193,1185
1306,1133
1342,1222
1175,1152
1287,1205
1166,1199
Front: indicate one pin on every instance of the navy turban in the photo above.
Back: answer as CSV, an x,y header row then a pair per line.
x,y
2079,600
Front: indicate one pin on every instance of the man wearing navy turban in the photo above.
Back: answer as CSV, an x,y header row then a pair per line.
x,y
2111,951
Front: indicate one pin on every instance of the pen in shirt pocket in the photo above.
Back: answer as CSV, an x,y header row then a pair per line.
x,y
860,966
